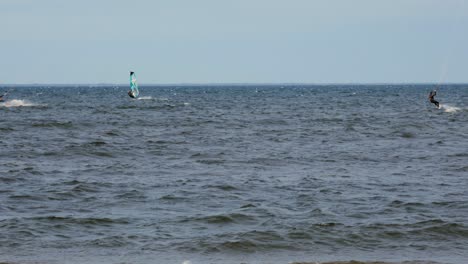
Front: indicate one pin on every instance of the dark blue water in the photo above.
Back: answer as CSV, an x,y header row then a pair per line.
x,y
234,174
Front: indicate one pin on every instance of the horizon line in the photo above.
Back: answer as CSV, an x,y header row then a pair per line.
x,y
233,84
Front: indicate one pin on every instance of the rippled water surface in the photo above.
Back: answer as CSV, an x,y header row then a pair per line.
x,y
234,174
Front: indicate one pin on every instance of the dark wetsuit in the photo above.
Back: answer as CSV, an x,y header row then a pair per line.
x,y
431,98
130,93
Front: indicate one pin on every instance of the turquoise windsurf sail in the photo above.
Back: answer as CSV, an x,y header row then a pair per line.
x,y
133,85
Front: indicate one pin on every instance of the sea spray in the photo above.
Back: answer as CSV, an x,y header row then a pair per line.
x,y
449,108
17,103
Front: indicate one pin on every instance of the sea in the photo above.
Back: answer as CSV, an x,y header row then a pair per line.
x,y
234,174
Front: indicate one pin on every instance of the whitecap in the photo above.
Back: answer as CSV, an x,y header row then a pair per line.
x,y
17,103
145,98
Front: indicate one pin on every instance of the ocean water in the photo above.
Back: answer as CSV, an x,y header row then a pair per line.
x,y
234,174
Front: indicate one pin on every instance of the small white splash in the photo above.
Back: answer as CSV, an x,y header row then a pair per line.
x,y
187,262
17,103
449,108
145,98
186,104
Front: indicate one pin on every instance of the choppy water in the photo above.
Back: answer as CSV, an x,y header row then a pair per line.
x,y
234,174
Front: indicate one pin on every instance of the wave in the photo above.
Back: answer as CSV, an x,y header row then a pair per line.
x,y
81,221
18,103
223,219
58,124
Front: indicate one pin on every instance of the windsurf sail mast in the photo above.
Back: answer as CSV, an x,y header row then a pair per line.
x,y
134,84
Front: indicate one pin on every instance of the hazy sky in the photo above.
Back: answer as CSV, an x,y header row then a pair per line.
x,y
234,41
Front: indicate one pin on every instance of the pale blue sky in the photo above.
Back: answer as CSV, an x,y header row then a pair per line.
x,y
234,41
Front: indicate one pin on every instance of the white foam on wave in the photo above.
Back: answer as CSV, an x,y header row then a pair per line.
x,y
17,103
145,98
449,108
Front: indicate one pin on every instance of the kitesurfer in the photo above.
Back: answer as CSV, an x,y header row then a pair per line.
x,y
130,93
431,98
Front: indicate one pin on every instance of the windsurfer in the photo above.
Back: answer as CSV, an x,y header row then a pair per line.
x,y
133,92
